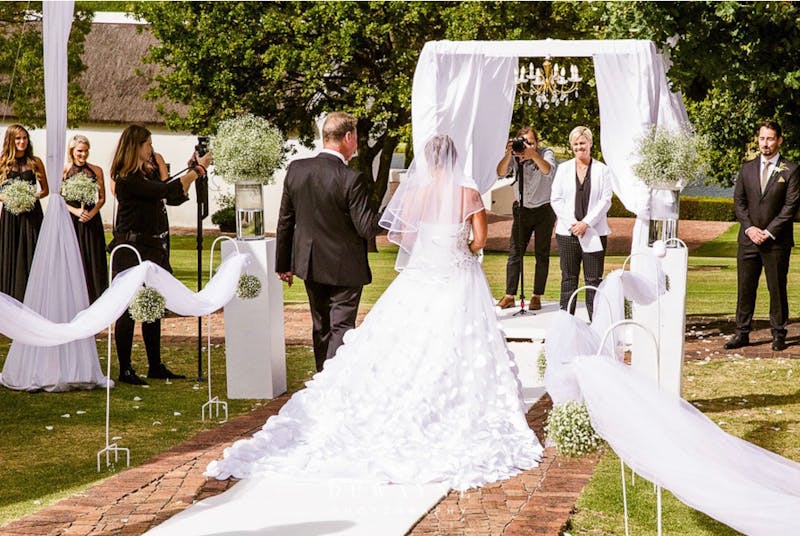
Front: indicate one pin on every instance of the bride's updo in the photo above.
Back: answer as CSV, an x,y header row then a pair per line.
x,y
440,152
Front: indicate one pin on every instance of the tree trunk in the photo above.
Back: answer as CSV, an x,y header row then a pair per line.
x,y
384,149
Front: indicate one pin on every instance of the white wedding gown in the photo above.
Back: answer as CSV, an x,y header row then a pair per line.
x,y
425,390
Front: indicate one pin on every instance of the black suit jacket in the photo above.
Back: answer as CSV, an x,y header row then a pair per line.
x,y
324,223
773,210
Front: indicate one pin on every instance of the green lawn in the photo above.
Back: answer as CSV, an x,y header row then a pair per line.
x,y
42,464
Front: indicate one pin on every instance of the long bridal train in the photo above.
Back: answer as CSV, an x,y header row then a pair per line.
x,y
665,439
424,390
25,325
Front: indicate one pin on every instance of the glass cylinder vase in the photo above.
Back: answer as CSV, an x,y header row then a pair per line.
x,y
249,200
664,215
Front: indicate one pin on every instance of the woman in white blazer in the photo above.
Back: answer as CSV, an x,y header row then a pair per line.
x,y
581,197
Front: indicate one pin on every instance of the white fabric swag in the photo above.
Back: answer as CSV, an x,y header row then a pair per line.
x,y
466,89
31,328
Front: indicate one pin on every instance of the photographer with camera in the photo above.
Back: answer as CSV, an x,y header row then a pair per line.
x,y
140,222
534,167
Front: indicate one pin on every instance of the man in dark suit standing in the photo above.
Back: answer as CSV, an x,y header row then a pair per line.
x,y
324,223
765,200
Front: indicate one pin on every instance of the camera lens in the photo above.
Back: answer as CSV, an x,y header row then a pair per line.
x,y
518,145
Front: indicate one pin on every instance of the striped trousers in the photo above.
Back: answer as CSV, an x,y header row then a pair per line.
x,y
571,256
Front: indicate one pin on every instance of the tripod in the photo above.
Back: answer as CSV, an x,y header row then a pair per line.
x,y
520,246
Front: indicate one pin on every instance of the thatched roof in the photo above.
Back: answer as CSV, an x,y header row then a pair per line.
x,y
112,56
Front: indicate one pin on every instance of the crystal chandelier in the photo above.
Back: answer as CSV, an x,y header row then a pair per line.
x,y
549,87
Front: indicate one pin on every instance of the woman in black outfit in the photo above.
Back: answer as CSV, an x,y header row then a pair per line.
x,y
87,220
19,232
140,223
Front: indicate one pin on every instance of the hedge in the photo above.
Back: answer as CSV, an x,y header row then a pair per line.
x,y
692,208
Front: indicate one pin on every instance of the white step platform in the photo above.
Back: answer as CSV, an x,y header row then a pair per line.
x,y
525,334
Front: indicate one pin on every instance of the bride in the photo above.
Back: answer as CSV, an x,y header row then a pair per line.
x,y
425,390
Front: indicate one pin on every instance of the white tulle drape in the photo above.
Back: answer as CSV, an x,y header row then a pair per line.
x,y
661,436
669,442
468,96
32,329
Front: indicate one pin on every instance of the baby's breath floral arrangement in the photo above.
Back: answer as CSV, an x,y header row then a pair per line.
x,y
79,189
18,196
541,363
570,429
670,159
249,287
148,305
247,148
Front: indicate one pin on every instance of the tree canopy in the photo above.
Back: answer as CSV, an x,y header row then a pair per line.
x,y
22,63
292,61
735,63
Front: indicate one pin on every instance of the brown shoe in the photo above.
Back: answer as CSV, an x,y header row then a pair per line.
x,y
506,302
535,303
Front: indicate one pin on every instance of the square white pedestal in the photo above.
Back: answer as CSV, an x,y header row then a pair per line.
x,y
255,351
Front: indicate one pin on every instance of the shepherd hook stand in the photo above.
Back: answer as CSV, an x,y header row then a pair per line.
x,y
214,403
609,331
113,447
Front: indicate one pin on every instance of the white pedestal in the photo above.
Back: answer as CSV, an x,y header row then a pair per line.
x,y
254,338
666,319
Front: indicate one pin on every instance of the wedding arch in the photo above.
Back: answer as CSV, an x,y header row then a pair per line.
x,y
467,89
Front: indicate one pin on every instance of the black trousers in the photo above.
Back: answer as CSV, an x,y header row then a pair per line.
x,y
571,257
333,313
538,222
123,329
749,262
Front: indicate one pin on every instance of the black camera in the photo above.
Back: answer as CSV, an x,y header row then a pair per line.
x,y
518,145
202,145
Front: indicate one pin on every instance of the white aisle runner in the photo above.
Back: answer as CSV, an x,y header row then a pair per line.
x,y
282,505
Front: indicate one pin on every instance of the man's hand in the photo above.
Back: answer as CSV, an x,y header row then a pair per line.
x,y
288,277
758,236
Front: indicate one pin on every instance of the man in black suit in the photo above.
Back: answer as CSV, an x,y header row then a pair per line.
x,y
765,199
324,223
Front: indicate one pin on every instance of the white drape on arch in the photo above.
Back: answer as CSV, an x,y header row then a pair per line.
x,y
56,287
466,89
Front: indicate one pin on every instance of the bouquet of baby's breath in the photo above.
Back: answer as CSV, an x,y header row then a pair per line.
x,y
247,148
541,363
671,159
79,189
18,196
249,287
148,305
570,429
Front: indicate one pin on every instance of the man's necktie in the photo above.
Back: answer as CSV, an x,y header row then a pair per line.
x,y
764,176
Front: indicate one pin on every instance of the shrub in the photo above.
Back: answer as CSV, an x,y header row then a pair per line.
x,y
692,208
225,216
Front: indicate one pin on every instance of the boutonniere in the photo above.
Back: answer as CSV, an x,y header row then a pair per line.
x,y
780,168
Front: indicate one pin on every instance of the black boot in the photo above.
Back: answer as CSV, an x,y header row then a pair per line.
x,y
128,375
161,372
